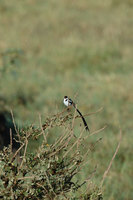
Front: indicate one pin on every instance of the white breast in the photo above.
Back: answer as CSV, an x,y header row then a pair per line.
x,y
65,101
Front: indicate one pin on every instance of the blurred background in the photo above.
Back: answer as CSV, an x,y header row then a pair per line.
x,y
79,48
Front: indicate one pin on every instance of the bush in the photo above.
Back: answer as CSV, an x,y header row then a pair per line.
x,y
50,171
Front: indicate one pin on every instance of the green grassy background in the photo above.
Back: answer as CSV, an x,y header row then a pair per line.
x,y
80,48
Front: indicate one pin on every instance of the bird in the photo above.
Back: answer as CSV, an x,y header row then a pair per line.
x,y
69,102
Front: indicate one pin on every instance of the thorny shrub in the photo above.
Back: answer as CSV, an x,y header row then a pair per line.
x,y
49,171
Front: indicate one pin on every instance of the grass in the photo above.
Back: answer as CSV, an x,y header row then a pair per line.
x,y
82,49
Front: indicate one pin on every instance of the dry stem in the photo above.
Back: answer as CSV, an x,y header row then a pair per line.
x,y
110,164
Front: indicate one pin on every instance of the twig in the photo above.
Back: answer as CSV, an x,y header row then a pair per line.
x,y
74,119
44,189
59,139
110,164
99,130
60,113
23,144
42,128
87,180
99,110
50,184
15,125
27,177
91,175
68,138
11,140
95,132
14,156
26,144
74,143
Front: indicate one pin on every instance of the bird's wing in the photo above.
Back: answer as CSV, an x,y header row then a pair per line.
x,y
70,101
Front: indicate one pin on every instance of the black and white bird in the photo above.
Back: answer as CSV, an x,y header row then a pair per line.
x,y
68,102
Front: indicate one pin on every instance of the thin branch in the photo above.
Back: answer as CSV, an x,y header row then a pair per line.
x,y
74,143
95,132
59,138
50,184
27,177
11,140
14,156
99,130
74,118
47,192
26,144
99,110
42,128
19,149
60,113
110,164
68,138
15,125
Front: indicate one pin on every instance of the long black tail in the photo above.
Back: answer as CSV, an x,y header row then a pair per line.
x,y
83,119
